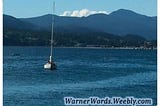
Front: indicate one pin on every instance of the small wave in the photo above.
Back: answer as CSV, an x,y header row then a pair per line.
x,y
130,80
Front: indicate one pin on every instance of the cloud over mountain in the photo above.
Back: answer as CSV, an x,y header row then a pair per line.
x,y
82,13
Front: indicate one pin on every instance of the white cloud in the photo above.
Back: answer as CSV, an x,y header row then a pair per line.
x,y
81,13
66,13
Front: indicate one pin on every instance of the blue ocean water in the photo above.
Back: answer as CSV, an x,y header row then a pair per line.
x,y
82,72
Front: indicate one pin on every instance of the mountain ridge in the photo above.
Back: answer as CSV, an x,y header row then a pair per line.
x,y
120,22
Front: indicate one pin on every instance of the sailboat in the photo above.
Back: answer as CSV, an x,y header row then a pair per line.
x,y
50,65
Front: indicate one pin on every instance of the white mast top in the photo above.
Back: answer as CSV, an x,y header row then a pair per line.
x,y
52,41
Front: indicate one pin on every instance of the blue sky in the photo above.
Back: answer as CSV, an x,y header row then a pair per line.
x,y
31,8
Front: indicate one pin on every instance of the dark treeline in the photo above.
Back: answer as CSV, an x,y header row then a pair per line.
x,y
72,39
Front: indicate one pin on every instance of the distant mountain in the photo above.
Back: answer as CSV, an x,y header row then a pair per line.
x,y
120,22
124,22
18,32
10,22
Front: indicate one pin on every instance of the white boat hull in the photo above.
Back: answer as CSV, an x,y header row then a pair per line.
x,y
49,66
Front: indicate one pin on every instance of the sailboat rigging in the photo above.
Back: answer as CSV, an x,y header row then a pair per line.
x,y
50,64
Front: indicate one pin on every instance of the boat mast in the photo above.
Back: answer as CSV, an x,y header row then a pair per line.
x,y
52,41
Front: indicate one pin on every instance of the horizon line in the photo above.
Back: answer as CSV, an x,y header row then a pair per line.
x,y
77,16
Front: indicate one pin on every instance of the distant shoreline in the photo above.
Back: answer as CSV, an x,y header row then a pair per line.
x,y
134,48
